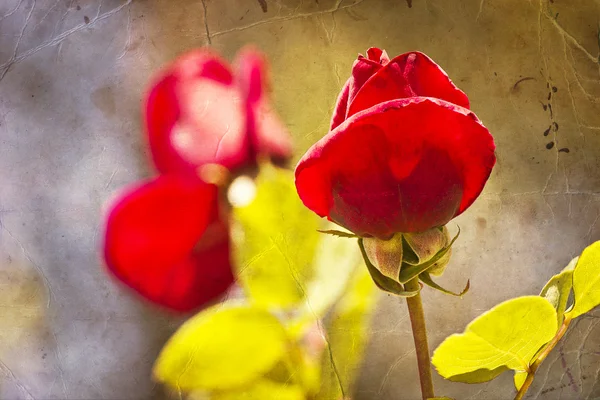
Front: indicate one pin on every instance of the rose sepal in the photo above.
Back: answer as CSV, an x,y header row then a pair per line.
x,y
426,279
383,282
409,271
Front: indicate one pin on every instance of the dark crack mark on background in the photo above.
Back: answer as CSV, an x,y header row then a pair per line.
x,y
263,5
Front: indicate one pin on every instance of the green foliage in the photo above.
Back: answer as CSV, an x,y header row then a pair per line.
x,y
274,240
335,262
223,347
586,281
241,350
519,333
519,379
479,375
440,398
348,333
263,389
558,289
283,261
507,336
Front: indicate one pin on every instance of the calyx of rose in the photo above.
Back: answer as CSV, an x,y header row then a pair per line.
x,y
406,256
386,255
425,245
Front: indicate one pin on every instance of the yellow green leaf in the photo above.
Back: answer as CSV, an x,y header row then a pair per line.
x,y
478,376
336,259
519,379
440,398
222,347
586,281
274,240
298,367
507,336
558,289
347,333
262,390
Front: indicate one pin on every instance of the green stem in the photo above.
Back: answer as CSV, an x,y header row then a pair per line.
x,y
542,356
417,321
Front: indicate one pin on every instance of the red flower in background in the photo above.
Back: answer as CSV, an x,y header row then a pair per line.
x,y
404,153
153,242
198,112
166,238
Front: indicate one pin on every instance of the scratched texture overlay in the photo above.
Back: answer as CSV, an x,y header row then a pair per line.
x,y
72,74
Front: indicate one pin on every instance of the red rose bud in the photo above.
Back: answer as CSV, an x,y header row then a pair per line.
x,y
407,156
362,69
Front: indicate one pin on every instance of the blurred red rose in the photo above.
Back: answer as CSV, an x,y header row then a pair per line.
x,y
404,153
198,112
166,238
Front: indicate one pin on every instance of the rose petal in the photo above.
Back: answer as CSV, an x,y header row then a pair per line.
x,y
341,105
378,55
194,115
405,165
362,69
157,242
268,135
407,75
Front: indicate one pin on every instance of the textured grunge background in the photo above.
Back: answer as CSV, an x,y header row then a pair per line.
x,y
72,73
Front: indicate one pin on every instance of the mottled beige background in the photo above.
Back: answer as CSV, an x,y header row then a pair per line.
x,y
72,73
